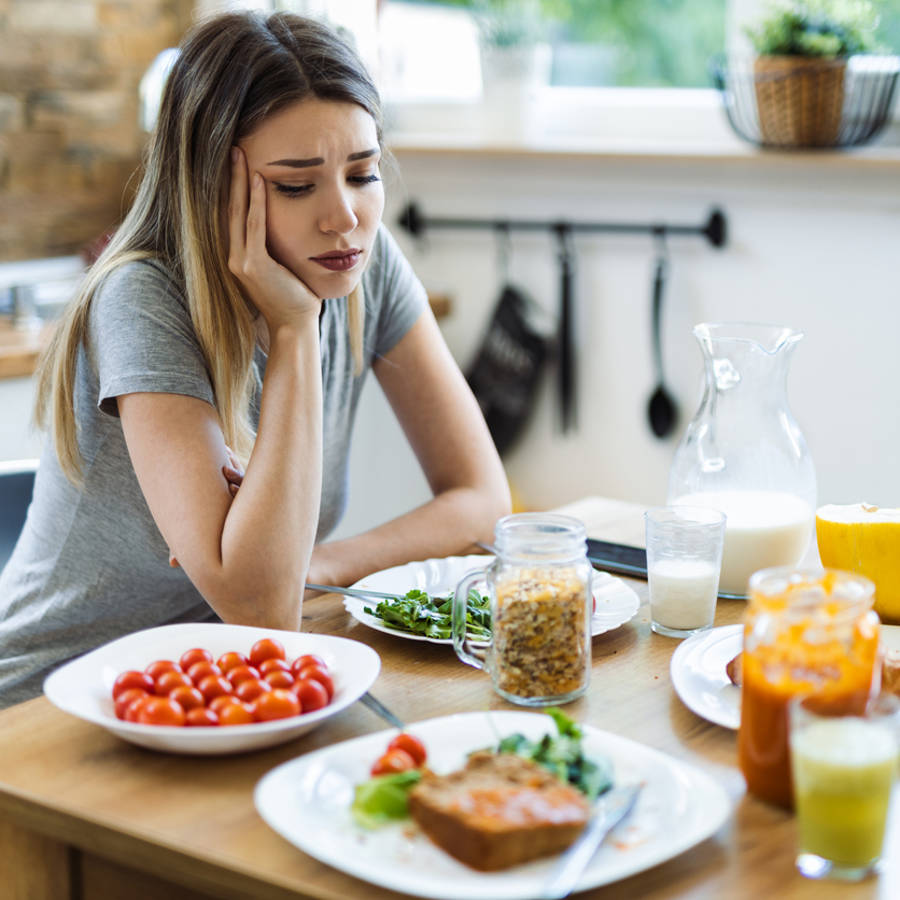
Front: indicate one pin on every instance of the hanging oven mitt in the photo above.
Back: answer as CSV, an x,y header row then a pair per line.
x,y
506,370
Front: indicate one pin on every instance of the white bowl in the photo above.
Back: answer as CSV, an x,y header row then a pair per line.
x,y
83,687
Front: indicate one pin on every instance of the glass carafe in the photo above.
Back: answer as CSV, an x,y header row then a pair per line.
x,y
743,452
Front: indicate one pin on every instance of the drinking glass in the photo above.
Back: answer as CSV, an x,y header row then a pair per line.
x,y
843,769
684,556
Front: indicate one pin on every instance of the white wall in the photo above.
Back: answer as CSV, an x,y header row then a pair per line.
x,y
811,245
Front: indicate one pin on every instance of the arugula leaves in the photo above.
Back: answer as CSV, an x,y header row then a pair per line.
x,y
563,756
417,612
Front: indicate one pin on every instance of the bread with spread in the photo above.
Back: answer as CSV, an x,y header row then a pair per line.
x,y
498,811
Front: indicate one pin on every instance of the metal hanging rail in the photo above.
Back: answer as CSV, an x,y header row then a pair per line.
x,y
715,228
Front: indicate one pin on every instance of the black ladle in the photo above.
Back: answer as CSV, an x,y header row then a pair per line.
x,y
661,411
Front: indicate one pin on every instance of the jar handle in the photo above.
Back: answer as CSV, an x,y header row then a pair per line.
x,y
458,619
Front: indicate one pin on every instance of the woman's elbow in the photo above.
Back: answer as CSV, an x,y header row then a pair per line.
x,y
263,605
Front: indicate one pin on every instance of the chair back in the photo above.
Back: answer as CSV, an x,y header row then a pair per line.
x,y
16,487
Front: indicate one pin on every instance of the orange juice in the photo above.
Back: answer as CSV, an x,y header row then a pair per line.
x,y
804,633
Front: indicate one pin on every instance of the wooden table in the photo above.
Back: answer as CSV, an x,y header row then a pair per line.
x,y
86,816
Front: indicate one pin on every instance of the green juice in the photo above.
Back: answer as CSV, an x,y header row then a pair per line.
x,y
843,770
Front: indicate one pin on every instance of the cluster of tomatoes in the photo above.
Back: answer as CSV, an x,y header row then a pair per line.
x,y
404,752
232,690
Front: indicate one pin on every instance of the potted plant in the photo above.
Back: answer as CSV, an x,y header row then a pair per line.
x,y
515,61
802,49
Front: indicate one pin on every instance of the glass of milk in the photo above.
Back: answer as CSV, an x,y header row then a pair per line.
x,y
684,558
843,769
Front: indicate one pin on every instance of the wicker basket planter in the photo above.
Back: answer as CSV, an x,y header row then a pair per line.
x,y
799,100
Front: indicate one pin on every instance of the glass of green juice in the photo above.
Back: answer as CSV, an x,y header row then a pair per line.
x,y
843,769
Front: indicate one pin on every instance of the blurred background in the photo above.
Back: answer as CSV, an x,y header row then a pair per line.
x,y
611,115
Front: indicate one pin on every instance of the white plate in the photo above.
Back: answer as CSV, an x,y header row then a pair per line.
x,y
616,602
83,687
699,677
307,801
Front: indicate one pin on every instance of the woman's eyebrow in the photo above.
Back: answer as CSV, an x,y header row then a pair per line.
x,y
318,161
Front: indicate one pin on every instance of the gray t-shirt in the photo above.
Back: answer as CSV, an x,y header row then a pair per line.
x,y
90,564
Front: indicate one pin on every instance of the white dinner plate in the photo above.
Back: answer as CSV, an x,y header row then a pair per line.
x,y
307,801
699,676
616,602
83,687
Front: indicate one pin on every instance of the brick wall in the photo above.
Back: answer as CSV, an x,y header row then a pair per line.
x,y
69,133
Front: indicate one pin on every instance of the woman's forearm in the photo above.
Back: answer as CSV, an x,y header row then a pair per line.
x,y
445,526
270,528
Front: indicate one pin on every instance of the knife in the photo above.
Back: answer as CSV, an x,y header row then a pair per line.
x,y
610,810
380,709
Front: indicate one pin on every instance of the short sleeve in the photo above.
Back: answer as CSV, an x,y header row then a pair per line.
x,y
393,292
140,338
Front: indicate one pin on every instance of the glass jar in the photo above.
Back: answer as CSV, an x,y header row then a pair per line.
x,y
540,595
806,632
744,454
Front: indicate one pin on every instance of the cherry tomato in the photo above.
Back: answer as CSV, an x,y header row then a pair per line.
x,y
189,657
264,649
411,745
227,661
311,694
279,679
321,676
132,679
308,659
276,704
187,697
199,670
251,689
161,711
236,714
155,669
393,761
132,711
168,681
200,716
126,697
272,664
217,704
214,686
242,673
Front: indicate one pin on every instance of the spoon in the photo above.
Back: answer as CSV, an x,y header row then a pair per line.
x,y
661,411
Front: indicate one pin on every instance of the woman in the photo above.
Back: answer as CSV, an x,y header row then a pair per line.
x,y
240,304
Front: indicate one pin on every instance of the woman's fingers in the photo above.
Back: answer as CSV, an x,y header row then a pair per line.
x,y
237,211
234,461
256,219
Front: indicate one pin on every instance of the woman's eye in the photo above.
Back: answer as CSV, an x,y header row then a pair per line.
x,y
363,179
292,190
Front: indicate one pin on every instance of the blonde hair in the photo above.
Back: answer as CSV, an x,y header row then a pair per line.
x,y
233,71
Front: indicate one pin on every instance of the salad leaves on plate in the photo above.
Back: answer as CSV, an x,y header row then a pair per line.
x,y
417,612
562,754
383,799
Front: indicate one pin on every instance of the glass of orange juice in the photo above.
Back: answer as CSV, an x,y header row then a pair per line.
x,y
843,767
805,632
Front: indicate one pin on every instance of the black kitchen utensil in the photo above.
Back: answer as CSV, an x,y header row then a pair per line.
x,y
661,410
565,348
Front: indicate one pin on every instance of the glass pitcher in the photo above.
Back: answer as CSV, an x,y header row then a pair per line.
x,y
744,454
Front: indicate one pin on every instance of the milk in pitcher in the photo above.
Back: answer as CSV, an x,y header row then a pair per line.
x,y
762,529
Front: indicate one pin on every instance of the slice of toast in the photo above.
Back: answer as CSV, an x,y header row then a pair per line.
x,y
498,811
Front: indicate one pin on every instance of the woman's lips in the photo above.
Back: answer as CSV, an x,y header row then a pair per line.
x,y
338,262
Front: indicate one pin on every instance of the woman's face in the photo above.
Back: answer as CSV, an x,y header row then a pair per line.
x,y
324,196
